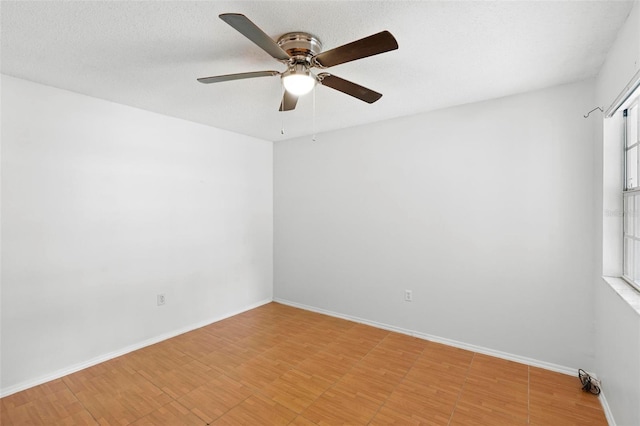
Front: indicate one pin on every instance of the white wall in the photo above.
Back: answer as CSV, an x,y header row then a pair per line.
x,y
623,59
617,339
618,355
105,206
483,211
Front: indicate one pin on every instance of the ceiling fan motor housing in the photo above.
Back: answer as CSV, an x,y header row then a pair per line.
x,y
300,46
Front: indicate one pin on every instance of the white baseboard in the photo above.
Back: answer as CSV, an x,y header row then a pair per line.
x,y
479,349
106,357
607,410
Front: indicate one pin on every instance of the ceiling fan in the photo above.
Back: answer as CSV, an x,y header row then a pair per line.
x,y
300,52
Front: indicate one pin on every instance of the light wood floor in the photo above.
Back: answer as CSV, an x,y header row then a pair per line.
x,y
277,365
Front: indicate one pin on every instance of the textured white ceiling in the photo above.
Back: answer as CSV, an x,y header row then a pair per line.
x,y
148,54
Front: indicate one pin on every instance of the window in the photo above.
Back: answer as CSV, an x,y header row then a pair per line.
x,y
631,195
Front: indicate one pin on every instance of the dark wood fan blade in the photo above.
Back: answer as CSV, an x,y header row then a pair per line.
x,y
239,76
368,46
255,34
289,102
349,88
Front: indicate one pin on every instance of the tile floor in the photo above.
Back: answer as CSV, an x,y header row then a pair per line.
x,y
278,365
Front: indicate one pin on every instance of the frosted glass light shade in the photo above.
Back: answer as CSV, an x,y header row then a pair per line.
x,y
298,83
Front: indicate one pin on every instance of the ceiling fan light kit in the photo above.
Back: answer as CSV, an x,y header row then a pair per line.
x,y
300,52
301,47
298,80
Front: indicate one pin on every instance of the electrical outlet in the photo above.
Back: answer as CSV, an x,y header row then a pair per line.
x,y
408,296
161,299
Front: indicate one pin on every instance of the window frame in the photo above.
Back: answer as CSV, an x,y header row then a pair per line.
x,y
631,199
